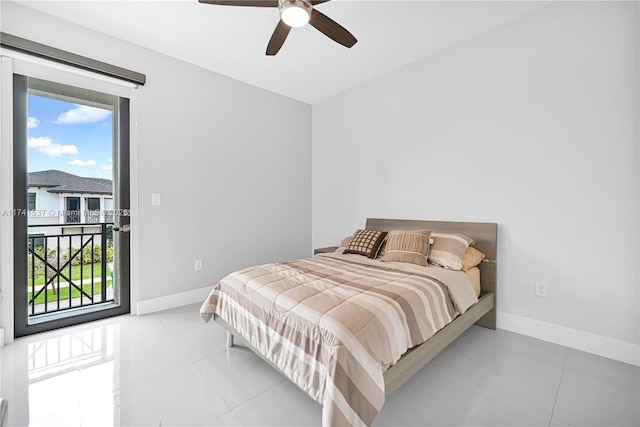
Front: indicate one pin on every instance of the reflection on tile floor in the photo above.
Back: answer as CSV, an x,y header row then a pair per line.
x,y
168,368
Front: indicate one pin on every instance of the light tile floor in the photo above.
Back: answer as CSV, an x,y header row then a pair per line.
x,y
169,368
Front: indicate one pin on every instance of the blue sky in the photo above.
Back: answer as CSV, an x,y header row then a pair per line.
x,y
69,137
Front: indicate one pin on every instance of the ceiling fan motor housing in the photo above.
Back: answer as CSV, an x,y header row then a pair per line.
x,y
295,13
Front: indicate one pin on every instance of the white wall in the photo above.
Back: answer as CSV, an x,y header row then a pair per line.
x,y
235,179
533,125
45,201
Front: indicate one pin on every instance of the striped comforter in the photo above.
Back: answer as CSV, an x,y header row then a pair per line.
x,y
334,323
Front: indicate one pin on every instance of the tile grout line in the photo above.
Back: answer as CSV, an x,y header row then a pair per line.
x,y
604,381
232,408
555,400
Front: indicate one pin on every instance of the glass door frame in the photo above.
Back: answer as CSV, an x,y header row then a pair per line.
x,y
17,63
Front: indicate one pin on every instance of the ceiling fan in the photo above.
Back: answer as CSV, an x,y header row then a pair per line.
x,y
295,13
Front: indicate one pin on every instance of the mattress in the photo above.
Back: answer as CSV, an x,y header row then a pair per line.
x,y
473,274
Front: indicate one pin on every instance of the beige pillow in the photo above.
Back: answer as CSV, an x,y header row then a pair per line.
x,y
407,246
472,257
345,242
366,242
448,249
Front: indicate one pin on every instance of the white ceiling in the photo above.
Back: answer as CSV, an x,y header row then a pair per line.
x,y
310,67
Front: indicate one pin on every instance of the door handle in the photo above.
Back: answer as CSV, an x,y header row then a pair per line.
x,y
123,229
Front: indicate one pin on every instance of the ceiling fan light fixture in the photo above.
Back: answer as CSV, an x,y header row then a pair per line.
x,y
295,13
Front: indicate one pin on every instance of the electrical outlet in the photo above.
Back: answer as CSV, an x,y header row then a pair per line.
x,y
198,264
156,199
541,289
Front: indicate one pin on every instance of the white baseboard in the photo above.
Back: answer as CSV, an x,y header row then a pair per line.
x,y
173,300
611,348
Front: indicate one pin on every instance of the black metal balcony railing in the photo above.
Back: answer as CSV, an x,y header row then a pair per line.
x,y
72,217
93,217
69,270
90,216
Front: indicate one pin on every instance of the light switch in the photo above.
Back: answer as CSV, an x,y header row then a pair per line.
x,y
156,199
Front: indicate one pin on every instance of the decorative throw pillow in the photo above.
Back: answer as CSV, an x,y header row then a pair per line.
x,y
366,242
472,257
448,249
407,246
344,243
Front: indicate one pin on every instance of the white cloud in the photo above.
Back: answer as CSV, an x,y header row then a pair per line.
x,y
82,162
83,114
32,122
55,150
45,145
107,167
39,142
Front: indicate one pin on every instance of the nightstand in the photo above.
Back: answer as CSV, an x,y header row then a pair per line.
x,y
324,250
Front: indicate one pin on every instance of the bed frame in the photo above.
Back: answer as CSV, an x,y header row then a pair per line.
x,y
483,313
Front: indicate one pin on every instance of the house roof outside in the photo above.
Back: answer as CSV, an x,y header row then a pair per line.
x,y
63,182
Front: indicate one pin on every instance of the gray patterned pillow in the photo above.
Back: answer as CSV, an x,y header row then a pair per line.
x,y
366,242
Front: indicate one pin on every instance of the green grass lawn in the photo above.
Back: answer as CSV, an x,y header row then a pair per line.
x,y
75,273
75,276
64,293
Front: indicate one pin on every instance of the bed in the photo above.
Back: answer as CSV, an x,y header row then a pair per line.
x,y
350,330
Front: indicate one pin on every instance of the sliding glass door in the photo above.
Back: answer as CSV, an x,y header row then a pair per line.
x,y
71,200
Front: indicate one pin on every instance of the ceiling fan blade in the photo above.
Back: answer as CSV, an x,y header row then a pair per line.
x,y
255,3
315,2
277,38
331,29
